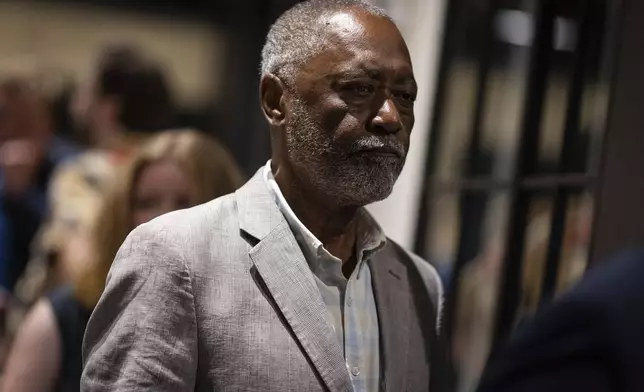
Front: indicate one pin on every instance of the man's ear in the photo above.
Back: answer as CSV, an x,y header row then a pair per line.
x,y
271,96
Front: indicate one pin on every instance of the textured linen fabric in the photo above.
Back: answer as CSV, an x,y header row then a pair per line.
x,y
220,297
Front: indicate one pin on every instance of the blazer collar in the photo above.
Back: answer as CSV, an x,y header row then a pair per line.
x,y
289,282
258,212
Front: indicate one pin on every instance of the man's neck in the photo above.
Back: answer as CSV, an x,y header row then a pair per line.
x,y
334,226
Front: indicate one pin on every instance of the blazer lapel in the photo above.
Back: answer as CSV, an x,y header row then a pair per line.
x,y
393,306
281,265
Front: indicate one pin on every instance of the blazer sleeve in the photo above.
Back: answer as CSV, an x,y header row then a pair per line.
x,y
143,332
563,349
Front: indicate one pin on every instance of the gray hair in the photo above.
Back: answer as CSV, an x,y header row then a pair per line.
x,y
296,35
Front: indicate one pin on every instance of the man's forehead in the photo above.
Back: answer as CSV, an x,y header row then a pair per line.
x,y
357,29
354,41
366,65
344,24
349,44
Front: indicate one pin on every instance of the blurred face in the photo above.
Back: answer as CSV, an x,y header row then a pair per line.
x,y
92,113
86,110
162,187
80,105
25,132
351,113
25,118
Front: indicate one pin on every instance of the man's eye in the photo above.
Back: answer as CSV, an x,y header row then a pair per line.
x,y
406,97
362,89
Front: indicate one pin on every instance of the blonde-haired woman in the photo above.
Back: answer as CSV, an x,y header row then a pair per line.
x,y
175,170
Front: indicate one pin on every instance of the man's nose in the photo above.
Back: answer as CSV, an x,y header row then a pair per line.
x,y
387,119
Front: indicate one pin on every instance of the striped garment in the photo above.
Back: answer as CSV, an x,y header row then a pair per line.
x,y
350,302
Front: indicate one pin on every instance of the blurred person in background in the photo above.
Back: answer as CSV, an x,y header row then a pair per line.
x,y
126,101
289,284
174,170
128,93
29,155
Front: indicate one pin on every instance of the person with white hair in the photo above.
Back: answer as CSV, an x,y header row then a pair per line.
x,y
288,284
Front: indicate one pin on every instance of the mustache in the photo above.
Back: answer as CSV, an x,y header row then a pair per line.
x,y
373,142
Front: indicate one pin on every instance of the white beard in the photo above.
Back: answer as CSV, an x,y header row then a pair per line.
x,y
334,170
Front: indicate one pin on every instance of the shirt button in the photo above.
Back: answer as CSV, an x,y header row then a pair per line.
x,y
355,371
349,302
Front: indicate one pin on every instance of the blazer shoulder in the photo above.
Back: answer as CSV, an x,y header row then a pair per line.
x,y
219,207
180,230
202,219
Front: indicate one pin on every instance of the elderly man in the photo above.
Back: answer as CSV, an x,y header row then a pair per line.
x,y
288,284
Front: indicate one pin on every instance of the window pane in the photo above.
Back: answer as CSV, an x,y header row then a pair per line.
x,y
502,79
573,257
446,236
457,120
578,52
535,251
473,262
499,127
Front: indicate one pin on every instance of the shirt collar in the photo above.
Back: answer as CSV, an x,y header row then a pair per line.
x,y
370,237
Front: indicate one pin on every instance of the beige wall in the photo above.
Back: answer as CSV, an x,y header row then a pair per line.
x,y
66,39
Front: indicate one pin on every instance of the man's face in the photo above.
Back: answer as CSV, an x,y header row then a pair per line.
x,y
352,111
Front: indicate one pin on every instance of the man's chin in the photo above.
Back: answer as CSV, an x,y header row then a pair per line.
x,y
376,197
361,196
357,184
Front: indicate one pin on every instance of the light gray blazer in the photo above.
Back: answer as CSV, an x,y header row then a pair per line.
x,y
220,298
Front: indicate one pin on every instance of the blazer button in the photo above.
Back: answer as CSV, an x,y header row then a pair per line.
x,y
355,371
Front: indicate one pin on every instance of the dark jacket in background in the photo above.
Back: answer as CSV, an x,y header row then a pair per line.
x,y
71,320
589,340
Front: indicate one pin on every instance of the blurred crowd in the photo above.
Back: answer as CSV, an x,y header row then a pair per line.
x,y
69,197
